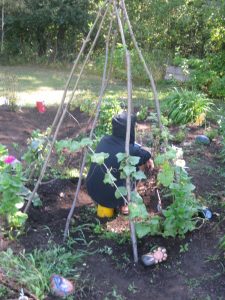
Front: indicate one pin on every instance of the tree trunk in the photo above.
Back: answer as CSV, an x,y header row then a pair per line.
x,y
42,44
2,27
60,41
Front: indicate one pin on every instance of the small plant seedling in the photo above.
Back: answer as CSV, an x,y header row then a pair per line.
x,y
179,137
106,250
132,288
184,248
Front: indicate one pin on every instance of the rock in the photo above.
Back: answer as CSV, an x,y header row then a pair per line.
x,y
60,286
177,73
202,139
157,256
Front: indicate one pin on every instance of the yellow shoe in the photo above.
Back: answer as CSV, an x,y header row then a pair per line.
x,y
105,212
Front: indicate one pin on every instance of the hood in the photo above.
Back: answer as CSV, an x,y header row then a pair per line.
x,y
119,126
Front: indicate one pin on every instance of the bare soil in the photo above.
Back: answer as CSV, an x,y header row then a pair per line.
x,y
108,271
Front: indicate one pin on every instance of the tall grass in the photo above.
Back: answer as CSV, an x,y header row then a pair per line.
x,y
33,270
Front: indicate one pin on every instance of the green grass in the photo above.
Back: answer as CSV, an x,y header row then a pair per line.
x,y
33,270
42,83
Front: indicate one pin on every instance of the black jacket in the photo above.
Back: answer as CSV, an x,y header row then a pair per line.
x,y
104,194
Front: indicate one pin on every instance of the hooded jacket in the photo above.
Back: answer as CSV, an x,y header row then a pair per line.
x,y
104,194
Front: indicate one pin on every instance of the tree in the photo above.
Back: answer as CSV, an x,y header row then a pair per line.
x,y
8,6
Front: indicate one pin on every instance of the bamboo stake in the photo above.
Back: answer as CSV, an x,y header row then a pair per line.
x,y
147,69
3,24
62,117
127,143
75,65
109,71
103,86
85,42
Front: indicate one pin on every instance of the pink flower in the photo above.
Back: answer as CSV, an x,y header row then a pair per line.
x,y
9,159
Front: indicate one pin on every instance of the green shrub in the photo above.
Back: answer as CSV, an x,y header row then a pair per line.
x,y
33,270
211,133
186,106
217,87
10,86
108,110
156,60
206,74
179,137
142,114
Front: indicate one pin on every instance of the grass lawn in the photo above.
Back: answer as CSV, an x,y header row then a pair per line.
x,y
33,83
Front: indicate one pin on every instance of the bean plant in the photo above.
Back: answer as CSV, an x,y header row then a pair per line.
x,y
13,192
11,183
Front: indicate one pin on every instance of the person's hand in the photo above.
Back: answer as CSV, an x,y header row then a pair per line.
x,y
150,164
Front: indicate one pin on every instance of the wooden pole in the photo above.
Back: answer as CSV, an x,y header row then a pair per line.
x,y
147,69
103,86
62,118
75,65
2,25
127,142
60,108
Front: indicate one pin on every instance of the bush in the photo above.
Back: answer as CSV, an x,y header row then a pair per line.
x,y
217,87
186,106
206,74
109,108
156,60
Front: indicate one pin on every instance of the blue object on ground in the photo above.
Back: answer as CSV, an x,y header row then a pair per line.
x,y
202,139
205,213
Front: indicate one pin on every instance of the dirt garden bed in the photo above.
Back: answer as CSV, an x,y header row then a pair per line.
x,y
195,268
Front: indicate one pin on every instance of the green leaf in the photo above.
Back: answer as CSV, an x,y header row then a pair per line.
x,y
74,146
99,158
166,175
139,175
120,191
36,201
152,226
86,142
135,197
142,229
138,210
120,156
128,170
133,160
109,178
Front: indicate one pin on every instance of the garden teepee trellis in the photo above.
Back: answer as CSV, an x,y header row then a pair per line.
x,y
119,16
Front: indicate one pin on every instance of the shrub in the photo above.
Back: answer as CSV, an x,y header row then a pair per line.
x,y
10,84
217,87
11,183
142,114
186,106
179,137
206,74
156,60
